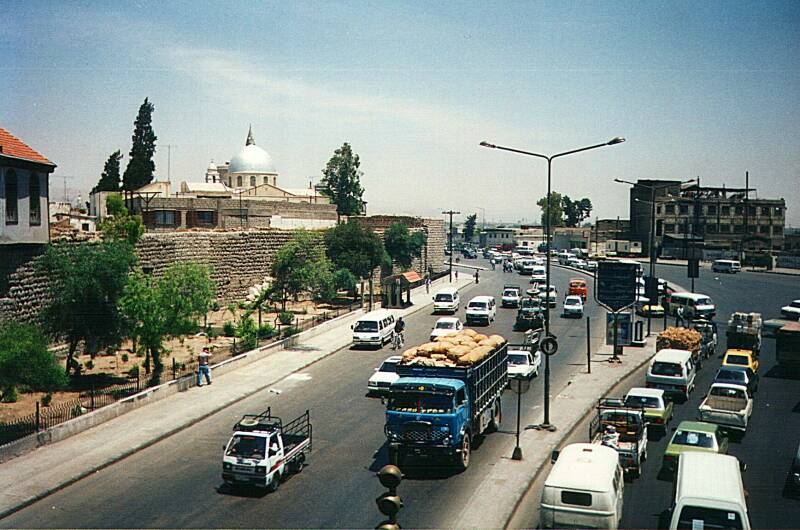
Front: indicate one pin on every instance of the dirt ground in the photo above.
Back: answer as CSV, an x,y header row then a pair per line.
x,y
184,351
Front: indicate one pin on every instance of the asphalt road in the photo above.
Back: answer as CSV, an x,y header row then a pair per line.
x,y
774,431
176,482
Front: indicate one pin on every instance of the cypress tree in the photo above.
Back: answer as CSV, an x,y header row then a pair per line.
x,y
109,180
140,164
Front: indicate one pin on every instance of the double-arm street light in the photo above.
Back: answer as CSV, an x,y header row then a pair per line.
x,y
550,158
652,237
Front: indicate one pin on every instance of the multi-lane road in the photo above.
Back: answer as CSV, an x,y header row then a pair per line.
x,y
176,482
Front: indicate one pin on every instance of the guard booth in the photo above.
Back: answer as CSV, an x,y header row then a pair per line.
x,y
396,289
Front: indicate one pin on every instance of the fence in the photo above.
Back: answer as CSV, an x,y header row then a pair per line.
x,y
94,398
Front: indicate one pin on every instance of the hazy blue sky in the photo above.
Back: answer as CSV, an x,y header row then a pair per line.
x,y
698,88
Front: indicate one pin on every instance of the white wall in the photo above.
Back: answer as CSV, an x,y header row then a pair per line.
x,y
23,232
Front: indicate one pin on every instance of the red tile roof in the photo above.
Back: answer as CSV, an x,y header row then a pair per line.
x,y
10,145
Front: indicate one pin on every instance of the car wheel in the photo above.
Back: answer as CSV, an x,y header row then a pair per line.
x,y
462,460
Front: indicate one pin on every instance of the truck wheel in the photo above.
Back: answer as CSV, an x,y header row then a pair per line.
x,y
276,483
462,460
299,463
497,417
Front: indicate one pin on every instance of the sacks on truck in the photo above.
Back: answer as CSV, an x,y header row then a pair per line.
x,y
680,339
463,349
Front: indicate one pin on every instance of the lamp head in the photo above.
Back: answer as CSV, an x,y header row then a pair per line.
x,y
616,140
487,144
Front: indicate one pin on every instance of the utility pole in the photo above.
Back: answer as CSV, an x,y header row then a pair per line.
x,y
169,161
451,213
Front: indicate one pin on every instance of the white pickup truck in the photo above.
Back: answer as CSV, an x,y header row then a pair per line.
x,y
727,405
262,450
623,429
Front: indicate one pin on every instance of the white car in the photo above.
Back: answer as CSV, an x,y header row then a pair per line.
x,y
446,326
573,306
481,309
791,311
511,297
591,266
580,264
538,274
384,376
522,364
548,293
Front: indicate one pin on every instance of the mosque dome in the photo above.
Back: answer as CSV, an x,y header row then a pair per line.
x,y
252,159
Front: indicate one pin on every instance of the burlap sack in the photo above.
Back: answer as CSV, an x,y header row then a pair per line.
x,y
470,332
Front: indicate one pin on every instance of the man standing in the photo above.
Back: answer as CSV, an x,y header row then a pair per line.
x,y
427,284
203,369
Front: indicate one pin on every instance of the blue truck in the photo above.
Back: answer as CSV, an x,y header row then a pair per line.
x,y
436,412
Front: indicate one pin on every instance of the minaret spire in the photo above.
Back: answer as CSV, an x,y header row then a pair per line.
x,y
250,139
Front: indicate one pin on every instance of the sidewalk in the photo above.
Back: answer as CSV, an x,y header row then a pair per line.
x,y
51,467
498,496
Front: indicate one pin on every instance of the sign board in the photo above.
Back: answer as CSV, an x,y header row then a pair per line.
x,y
615,284
693,268
624,329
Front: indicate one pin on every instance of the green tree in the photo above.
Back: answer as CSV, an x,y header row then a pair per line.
x,y
403,246
301,266
115,205
119,226
344,280
570,210
556,208
157,308
354,247
26,361
585,207
140,163
86,283
469,227
109,179
341,179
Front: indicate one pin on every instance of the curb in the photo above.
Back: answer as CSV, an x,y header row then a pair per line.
x,y
162,436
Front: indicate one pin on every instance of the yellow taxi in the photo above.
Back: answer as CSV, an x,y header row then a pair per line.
x,y
740,359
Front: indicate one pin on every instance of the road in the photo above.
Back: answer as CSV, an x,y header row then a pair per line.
x,y
774,431
176,482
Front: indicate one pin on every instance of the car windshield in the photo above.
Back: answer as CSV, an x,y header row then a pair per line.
x,y
727,392
477,305
741,360
730,375
445,325
795,304
703,301
530,303
572,301
243,446
444,298
389,367
694,439
510,292
517,358
421,403
366,325
667,369
647,402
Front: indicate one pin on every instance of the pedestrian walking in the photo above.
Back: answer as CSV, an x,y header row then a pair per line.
x,y
456,273
428,284
476,276
493,264
203,368
679,317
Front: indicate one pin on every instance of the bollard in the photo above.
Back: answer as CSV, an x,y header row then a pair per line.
x,y
588,346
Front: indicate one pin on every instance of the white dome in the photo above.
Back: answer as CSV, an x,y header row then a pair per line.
x,y
251,159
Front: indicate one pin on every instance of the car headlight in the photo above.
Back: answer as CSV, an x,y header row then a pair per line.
x,y
227,466
372,383
261,469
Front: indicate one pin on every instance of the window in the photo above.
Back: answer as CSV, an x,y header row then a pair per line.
x,y
34,192
764,210
711,229
751,229
252,182
739,210
461,397
11,198
751,211
669,228
684,209
85,227
670,209
205,218
738,229
778,211
576,498
266,180
763,229
777,230
726,211
711,209
166,218
239,181
724,229
658,210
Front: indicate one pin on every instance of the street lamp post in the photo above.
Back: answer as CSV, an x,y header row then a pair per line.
x,y
451,213
652,238
613,141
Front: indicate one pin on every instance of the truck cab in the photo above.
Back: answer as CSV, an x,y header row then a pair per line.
x,y
511,295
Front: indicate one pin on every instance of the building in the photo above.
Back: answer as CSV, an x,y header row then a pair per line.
x,y
605,229
24,204
566,238
529,237
711,218
499,236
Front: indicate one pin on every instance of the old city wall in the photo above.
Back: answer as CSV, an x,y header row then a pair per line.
x,y
238,260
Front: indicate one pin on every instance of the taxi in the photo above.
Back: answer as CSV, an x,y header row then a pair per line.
x,y
740,359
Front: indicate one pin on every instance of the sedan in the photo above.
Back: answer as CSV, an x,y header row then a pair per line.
x,y
549,293
791,311
384,376
658,410
446,326
522,364
694,436
735,375
573,306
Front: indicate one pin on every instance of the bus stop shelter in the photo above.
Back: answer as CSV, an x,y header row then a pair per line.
x,y
396,289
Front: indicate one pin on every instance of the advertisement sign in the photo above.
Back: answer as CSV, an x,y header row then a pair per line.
x,y
615,284
624,329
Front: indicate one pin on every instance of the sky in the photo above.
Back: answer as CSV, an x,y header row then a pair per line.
x,y
706,89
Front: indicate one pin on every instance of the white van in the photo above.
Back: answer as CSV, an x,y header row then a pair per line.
x,y
482,310
374,329
703,503
694,305
731,266
584,489
673,372
446,300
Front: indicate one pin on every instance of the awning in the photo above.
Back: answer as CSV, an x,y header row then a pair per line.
x,y
412,276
